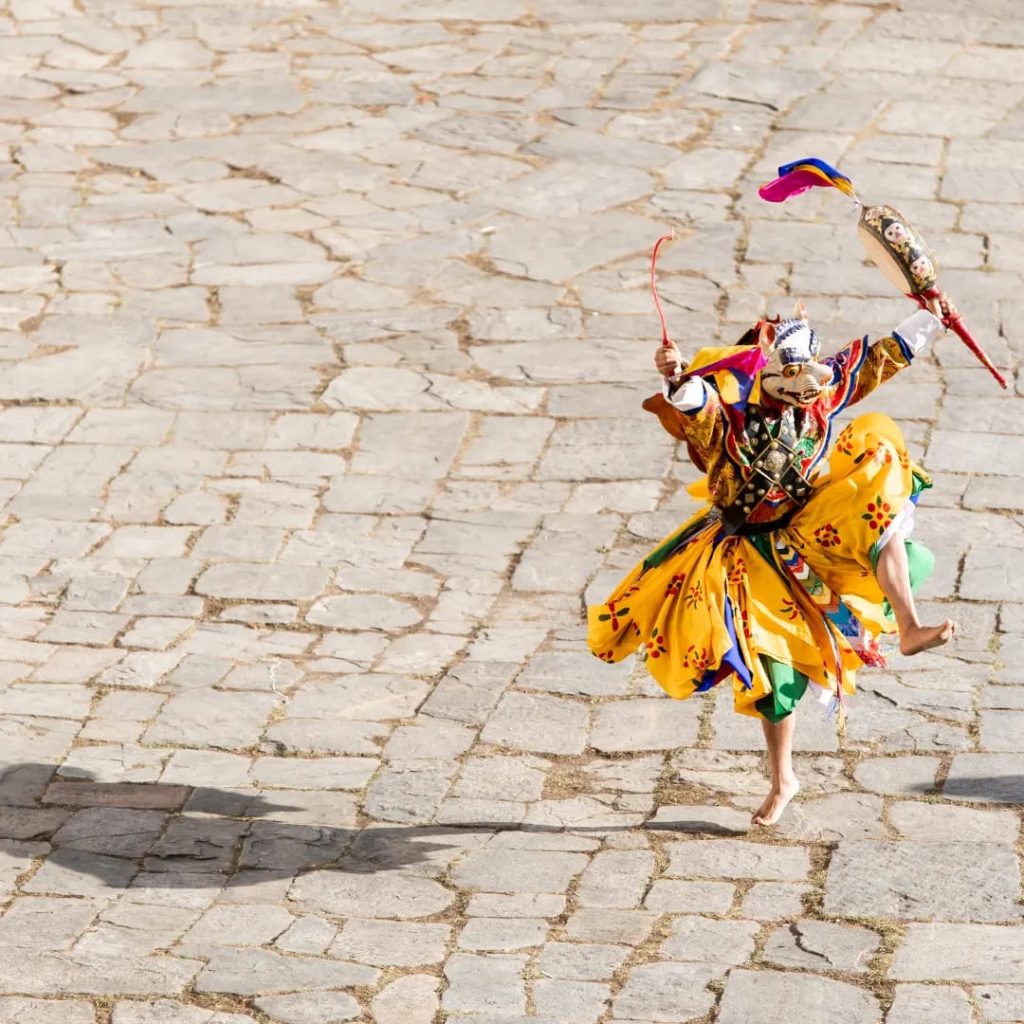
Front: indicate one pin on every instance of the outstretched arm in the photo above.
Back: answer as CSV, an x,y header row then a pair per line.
x,y
861,366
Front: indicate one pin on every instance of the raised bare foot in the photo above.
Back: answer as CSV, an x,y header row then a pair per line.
x,y
776,802
923,638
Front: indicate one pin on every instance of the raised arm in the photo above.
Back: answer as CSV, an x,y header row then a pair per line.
x,y
688,409
861,366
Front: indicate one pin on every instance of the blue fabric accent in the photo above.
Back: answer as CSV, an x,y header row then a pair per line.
x,y
814,161
904,347
845,621
733,658
836,377
852,376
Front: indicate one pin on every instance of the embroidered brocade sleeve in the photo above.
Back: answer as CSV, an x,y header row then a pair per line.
x,y
702,427
860,367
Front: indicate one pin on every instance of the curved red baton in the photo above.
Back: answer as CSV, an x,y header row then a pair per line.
x,y
957,325
665,340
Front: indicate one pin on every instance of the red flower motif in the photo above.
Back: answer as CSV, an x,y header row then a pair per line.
x,y
656,646
879,514
827,536
613,614
701,659
738,573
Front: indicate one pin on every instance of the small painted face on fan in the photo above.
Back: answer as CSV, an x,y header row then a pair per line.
x,y
792,374
895,232
922,267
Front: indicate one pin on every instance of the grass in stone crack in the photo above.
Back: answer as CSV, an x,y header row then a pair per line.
x,y
218,1002
669,791
814,900
567,778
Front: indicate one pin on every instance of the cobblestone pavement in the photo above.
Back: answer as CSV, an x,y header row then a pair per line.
x,y
324,336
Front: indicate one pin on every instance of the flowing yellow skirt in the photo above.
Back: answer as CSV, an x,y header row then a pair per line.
x,y
804,596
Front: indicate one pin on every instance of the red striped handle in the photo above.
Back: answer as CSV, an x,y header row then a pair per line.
x,y
957,325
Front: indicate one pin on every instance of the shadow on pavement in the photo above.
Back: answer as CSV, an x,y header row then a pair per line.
x,y
996,789
164,836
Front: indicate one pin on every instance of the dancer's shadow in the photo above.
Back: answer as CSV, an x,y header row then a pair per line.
x,y
998,790
158,835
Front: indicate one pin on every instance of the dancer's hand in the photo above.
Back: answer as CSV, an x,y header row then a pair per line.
x,y
669,361
941,307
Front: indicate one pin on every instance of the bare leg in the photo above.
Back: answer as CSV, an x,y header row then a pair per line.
x,y
893,575
778,737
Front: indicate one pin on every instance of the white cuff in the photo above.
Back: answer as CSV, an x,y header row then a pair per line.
x,y
917,330
686,397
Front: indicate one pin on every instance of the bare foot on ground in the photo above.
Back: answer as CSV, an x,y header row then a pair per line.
x,y
776,802
923,638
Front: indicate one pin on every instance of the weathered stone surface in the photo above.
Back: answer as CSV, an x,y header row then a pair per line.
x,y
915,1003
542,724
705,940
987,778
580,961
169,1011
616,878
324,334
485,985
575,1002
212,719
46,973
926,822
775,998
526,871
487,904
358,698
644,725
264,582
666,992
310,1007
900,776
603,925
822,946
254,971
369,896
674,897
773,900
502,934
916,880
733,858
391,943
949,952
411,999
16,1010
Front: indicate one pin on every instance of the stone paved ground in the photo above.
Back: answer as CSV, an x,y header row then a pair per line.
x,y
325,329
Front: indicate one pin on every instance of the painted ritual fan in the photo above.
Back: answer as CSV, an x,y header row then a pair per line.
x,y
893,244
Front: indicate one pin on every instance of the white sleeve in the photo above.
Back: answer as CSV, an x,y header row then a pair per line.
x,y
917,330
688,396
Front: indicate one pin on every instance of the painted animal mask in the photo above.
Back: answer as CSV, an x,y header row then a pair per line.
x,y
792,374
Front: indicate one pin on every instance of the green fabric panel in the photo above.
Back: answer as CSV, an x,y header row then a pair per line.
x,y
788,686
920,562
659,554
763,543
